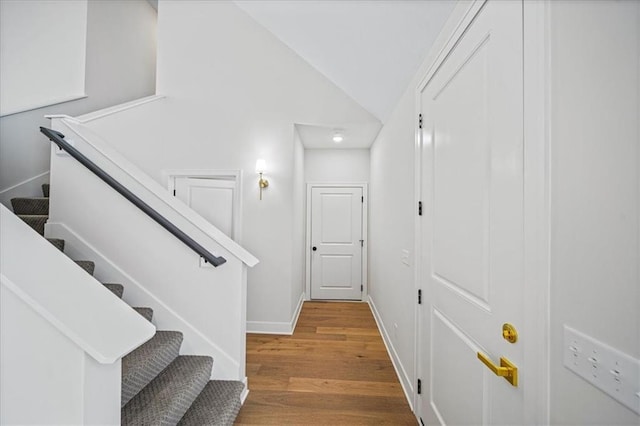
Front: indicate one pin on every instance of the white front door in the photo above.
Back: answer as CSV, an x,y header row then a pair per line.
x,y
472,225
212,198
337,243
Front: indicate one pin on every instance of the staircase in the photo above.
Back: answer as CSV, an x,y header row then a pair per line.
x,y
159,386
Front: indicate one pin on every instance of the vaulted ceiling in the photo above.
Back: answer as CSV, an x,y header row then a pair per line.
x,y
371,49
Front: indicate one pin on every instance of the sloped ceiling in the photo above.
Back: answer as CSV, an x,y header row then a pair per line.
x,y
369,48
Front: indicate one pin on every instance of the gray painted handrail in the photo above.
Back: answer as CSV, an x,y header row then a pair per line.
x,y
58,139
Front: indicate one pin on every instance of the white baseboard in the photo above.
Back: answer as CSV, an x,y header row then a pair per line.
x,y
135,294
269,327
245,391
31,187
405,380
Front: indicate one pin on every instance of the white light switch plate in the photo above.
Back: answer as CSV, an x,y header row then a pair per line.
x,y
614,372
406,257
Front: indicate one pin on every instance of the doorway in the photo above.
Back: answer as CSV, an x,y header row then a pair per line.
x,y
472,232
336,243
213,194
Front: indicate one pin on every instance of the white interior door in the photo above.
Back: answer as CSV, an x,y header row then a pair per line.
x,y
213,199
337,243
472,227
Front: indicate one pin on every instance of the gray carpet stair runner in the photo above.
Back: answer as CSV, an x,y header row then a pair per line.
x,y
159,386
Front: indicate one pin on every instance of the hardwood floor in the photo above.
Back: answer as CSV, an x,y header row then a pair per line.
x,y
334,370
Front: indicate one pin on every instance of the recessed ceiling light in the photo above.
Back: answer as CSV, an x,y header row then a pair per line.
x,y
338,137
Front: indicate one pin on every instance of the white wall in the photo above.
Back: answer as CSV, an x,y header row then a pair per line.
x,y
392,213
27,79
299,200
595,194
233,93
391,230
595,197
336,165
49,351
120,66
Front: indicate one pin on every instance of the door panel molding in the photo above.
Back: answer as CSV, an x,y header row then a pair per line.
x,y
234,176
450,391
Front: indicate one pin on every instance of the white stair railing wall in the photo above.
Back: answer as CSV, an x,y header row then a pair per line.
x,y
157,270
62,335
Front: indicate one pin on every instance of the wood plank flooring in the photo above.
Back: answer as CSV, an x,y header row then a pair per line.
x,y
333,370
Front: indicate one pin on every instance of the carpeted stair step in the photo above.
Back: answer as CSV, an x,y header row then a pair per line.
x,y
87,265
36,221
147,313
58,243
45,189
116,289
31,206
143,364
218,404
166,399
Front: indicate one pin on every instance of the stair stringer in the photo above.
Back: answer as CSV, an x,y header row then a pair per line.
x,y
136,294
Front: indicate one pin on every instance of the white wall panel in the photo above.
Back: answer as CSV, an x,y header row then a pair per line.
x,y
336,165
42,53
391,233
595,195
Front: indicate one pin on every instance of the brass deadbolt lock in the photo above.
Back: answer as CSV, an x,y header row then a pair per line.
x,y
509,333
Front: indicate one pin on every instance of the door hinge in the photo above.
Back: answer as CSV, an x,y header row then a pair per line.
x,y
362,199
361,287
361,243
419,208
419,121
419,296
174,192
419,386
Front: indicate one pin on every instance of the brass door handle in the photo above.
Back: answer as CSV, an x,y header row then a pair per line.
x,y
507,369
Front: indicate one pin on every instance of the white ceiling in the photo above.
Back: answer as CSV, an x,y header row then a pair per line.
x,y
356,135
369,48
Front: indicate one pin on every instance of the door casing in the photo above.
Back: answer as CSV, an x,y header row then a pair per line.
x,y
537,95
365,233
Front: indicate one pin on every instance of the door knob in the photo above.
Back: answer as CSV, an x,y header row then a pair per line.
x,y
314,248
507,369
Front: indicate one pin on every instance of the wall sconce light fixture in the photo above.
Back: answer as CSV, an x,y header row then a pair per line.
x,y
260,167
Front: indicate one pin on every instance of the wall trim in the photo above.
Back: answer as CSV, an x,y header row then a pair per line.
x,y
107,271
272,327
245,391
405,380
40,105
85,118
537,209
